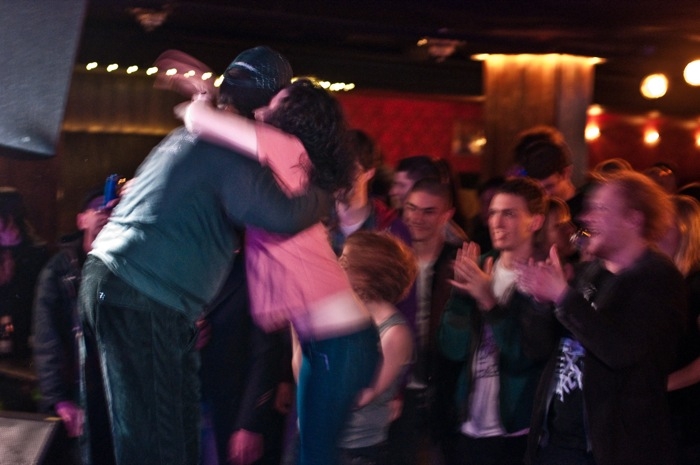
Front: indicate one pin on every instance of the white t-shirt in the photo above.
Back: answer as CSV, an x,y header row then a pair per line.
x,y
484,412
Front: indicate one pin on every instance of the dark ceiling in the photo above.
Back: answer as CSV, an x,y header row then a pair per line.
x,y
374,43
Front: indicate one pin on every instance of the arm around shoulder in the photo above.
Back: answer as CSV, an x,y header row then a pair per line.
x,y
252,196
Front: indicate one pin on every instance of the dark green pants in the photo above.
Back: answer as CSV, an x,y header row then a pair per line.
x,y
149,366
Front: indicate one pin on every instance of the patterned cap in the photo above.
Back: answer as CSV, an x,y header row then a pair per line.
x,y
259,67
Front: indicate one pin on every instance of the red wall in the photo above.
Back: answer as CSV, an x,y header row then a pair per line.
x,y
623,136
413,125
405,125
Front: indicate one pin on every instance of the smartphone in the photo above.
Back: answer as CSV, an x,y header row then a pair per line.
x,y
110,192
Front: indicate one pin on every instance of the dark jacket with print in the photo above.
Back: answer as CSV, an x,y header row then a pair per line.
x,y
630,326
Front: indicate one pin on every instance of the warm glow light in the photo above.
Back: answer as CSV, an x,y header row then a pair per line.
x,y
480,56
691,73
595,110
331,86
697,139
592,132
654,86
530,56
651,136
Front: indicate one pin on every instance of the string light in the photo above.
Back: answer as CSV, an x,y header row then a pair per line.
x,y
133,69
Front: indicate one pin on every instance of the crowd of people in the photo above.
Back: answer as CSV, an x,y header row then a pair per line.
x,y
256,296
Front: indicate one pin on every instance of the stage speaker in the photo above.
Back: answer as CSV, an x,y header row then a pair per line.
x,y
27,438
38,45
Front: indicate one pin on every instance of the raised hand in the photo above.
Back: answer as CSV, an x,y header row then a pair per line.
x,y
188,78
544,281
472,279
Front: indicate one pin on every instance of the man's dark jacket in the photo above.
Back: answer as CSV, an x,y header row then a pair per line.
x,y
630,330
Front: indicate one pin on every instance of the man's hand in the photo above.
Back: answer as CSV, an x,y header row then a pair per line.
x,y
284,397
203,333
73,417
470,278
544,281
186,79
395,408
245,447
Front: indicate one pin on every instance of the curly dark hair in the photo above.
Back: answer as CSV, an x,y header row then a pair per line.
x,y
312,115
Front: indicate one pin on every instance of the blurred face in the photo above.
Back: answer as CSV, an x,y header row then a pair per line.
x,y
425,215
671,241
262,114
399,188
91,222
360,186
511,224
556,185
610,223
10,235
559,231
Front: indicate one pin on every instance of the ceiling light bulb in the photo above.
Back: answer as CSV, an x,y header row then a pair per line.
x,y
592,132
651,137
654,86
691,73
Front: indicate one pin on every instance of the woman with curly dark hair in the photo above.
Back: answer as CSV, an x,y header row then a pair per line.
x,y
300,135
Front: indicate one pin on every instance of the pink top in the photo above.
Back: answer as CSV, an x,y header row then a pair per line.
x,y
288,273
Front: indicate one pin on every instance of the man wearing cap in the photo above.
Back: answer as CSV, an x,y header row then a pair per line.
x,y
163,256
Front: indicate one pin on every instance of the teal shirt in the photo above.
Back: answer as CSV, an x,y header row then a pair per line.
x,y
525,333
174,235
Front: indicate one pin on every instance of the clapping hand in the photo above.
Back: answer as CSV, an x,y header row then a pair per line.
x,y
472,279
544,281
